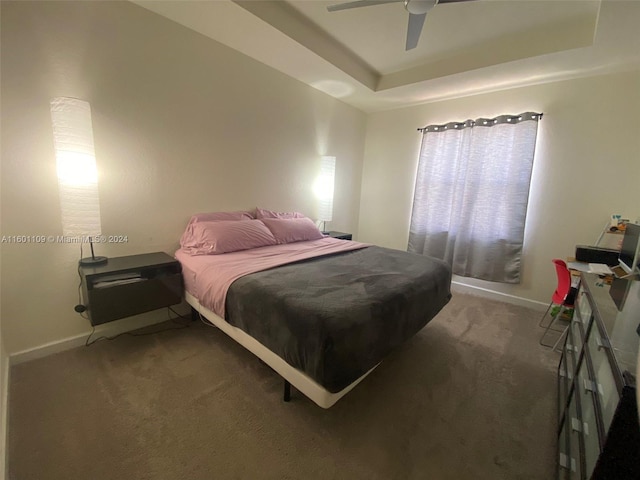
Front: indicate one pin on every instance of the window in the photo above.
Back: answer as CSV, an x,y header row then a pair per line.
x,y
471,194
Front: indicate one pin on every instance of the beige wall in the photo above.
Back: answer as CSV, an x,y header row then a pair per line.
x,y
181,123
587,166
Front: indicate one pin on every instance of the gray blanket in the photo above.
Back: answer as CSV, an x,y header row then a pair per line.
x,y
335,317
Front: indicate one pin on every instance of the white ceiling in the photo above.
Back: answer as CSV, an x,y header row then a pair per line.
x,y
465,48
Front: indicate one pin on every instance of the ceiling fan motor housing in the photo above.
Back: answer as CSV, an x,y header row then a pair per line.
x,y
418,7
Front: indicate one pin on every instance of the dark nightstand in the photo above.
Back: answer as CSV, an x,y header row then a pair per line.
x,y
339,235
127,286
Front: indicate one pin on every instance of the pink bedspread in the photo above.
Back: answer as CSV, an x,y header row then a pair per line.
x,y
208,277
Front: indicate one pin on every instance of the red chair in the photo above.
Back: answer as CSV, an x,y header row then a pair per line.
x,y
564,297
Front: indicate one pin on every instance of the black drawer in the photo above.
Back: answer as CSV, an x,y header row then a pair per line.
x,y
113,302
128,286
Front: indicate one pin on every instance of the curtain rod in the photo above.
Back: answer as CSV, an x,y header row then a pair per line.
x,y
482,122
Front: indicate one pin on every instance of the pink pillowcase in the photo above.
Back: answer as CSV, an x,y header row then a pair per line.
x,y
187,236
262,213
225,236
289,230
217,216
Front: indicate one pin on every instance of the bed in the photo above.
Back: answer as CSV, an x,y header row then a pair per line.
x,y
321,312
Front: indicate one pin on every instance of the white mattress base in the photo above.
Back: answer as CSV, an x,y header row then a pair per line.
x,y
303,383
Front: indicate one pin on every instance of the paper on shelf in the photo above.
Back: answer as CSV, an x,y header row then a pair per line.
x,y
113,283
600,268
579,266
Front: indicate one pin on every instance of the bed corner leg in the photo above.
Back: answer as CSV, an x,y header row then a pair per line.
x,y
287,391
194,315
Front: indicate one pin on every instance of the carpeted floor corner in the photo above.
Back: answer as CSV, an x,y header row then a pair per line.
x,y
472,396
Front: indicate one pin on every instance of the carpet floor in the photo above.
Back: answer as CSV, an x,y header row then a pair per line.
x,y
472,396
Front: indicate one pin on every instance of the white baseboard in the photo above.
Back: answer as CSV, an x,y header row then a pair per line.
x,y
501,297
115,328
104,330
54,347
145,320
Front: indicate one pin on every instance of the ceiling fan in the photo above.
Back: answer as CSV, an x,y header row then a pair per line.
x,y
417,13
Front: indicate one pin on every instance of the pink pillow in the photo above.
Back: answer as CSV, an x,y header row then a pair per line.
x,y
262,213
217,216
187,236
288,230
225,236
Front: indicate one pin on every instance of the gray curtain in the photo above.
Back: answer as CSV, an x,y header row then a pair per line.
x,y
471,194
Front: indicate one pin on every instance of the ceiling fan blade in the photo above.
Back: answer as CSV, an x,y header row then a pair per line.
x,y
453,1
416,21
359,3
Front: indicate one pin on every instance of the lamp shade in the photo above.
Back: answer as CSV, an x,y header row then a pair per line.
x,y
76,166
324,188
